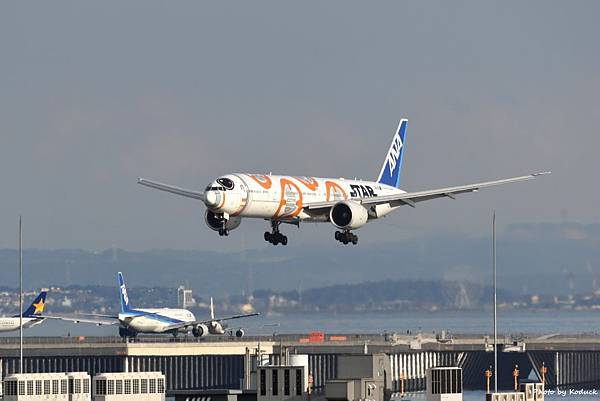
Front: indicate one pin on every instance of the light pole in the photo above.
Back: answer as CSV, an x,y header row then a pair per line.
x,y
495,300
20,295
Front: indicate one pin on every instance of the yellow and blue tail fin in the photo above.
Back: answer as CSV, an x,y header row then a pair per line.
x,y
37,306
392,166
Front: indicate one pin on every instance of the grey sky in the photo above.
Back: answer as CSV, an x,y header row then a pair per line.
x,y
95,94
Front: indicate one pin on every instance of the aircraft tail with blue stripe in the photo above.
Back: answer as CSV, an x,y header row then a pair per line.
x,y
37,306
392,166
125,308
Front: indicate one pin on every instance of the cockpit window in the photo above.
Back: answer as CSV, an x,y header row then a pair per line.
x,y
209,188
226,182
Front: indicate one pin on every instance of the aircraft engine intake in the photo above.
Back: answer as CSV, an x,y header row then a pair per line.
x,y
215,222
239,333
200,330
348,215
216,328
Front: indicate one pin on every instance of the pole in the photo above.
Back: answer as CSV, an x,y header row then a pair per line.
x,y
20,295
495,300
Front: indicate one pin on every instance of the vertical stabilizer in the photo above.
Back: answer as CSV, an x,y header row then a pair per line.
x,y
392,165
37,306
123,294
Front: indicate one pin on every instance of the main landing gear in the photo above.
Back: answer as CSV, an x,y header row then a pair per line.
x,y
346,237
275,237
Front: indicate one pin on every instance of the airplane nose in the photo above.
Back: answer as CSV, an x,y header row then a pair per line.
x,y
212,198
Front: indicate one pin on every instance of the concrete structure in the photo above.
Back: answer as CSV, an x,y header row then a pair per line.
x,y
47,386
185,299
444,384
533,391
281,383
529,392
219,363
505,396
361,377
147,386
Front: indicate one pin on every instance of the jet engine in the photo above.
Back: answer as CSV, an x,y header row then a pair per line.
x,y
214,222
239,333
216,328
348,215
200,330
124,332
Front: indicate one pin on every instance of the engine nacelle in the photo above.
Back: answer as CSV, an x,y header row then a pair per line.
x,y
215,328
348,215
239,333
214,222
124,332
200,330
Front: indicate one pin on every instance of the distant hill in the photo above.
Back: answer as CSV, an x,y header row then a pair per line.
x,y
531,259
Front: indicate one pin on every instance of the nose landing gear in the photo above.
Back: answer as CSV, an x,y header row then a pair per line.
x,y
223,231
275,237
346,237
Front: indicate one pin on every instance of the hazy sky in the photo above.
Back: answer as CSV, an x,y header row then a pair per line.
x,y
95,94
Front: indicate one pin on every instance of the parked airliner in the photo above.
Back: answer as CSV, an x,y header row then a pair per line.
x,y
347,204
31,317
133,321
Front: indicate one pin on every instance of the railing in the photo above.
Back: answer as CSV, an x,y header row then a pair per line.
x,y
291,338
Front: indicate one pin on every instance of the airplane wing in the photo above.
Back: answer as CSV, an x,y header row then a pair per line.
x,y
100,320
172,189
412,198
196,322
220,319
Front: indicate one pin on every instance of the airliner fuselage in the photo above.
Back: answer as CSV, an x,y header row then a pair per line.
x,y
13,323
278,197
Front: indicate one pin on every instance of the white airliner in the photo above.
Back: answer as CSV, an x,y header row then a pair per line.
x,y
347,204
158,320
31,316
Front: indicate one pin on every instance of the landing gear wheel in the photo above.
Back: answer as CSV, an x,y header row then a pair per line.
x,y
346,237
223,232
275,237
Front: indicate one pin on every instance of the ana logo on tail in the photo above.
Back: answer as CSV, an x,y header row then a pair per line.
x,y
394,153
390,170
124,294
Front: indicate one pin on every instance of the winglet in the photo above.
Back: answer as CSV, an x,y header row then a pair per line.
x,y
541,173
212,309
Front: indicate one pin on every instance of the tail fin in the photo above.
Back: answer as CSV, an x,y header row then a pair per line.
x,y
392,166
123,294
37,306
212,309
